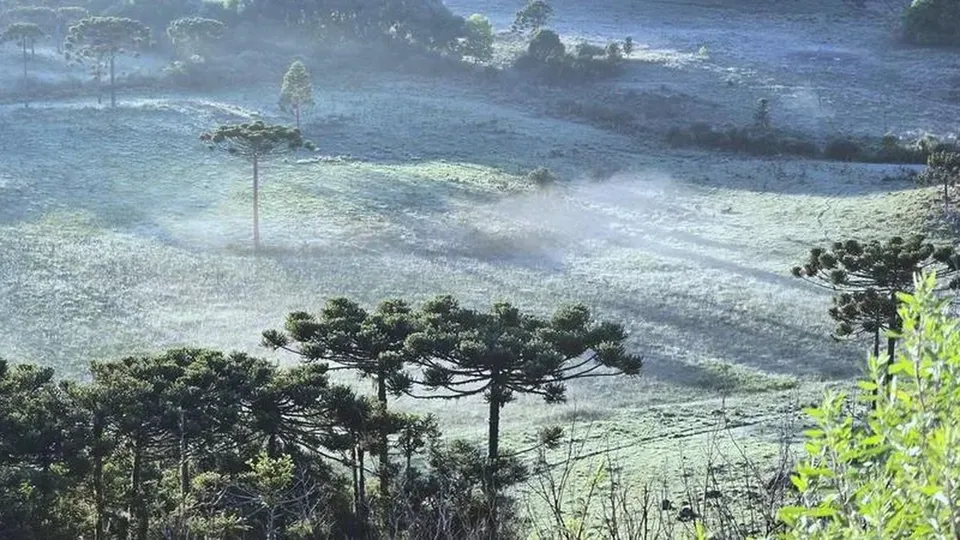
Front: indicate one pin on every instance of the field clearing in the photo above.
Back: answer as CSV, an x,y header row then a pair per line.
x,y
121,233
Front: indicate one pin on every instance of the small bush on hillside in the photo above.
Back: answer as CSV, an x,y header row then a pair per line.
x,y
761,116
894,473
843,150
932,22
754,141
547,57
541,176
588,50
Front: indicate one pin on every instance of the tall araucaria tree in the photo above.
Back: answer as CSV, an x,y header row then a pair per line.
x,y
297,91
256,142
369,343
24,35
866,278
504,352
42,16
100,40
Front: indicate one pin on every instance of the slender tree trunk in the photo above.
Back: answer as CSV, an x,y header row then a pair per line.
x,y
493,456
876,354
137,510
876,343
893,325
296,110
362,481
256,203
99,507
113,88
98,74
493,424
384,457
26,92
273,450
184,475
356,481
272,523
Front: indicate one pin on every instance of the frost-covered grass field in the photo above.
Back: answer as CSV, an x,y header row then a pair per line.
x,y
120,232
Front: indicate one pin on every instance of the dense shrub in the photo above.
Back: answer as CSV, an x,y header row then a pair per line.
x,y
763,141
541,176
754,141
478,42
843,150
547,57
892,473
933,22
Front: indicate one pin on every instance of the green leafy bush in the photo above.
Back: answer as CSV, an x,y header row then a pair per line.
x,y
478,42
892,472
932,22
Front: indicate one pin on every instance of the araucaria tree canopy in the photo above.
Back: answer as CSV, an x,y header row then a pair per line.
x,y
256,142
100,39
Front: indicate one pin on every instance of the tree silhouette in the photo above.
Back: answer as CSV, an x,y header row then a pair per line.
x,y
533,16
100,40
297,91
504,352
370,343
256,142
478,42
190,34
24,35
866,278
942,168
42,16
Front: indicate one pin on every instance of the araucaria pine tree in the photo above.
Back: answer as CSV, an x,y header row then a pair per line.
x,y
868,276
100,40
24,35
504,352
256,142
351,338
297,91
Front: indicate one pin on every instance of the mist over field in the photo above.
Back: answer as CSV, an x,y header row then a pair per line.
x,y
669,182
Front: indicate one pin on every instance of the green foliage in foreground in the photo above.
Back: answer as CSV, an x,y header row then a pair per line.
x,y
895,472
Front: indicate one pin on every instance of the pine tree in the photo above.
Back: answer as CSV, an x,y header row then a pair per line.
x,y
867,277
100,40
504,352
369,343
24,35
297,91
256,142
